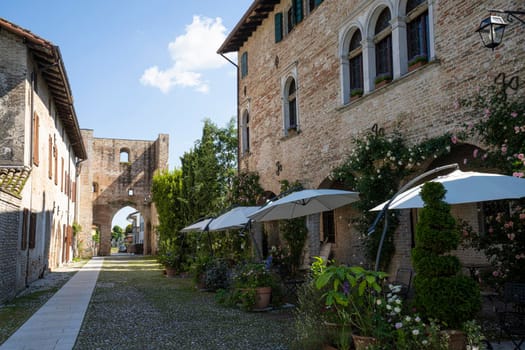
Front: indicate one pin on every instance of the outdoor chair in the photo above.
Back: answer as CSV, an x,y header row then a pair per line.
x,y
403,279
512,316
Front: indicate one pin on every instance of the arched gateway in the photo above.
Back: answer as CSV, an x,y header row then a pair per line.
x,y
118,173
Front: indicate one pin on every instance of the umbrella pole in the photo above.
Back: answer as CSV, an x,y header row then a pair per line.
x,y
385,208
209,242
257,250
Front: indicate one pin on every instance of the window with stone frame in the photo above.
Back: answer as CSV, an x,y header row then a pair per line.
x,y
355,62
312,4
124,155
32,230
244,64
25,222
383,45
417,29
50,158
245,133
291,105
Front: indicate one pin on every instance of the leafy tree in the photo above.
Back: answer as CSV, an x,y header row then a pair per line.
x,y
129,229
117,233
246,189
167,196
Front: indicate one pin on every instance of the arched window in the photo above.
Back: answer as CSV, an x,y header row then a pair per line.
x,y
417,30
124,155
245,133
94,187
383,45
355,60
291,101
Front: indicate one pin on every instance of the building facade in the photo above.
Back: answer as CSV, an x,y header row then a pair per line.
x,y
40,150
313,75
118,173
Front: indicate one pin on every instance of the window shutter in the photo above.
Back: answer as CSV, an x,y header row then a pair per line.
x,y
32,231
278,27
318,2
25,218
298,9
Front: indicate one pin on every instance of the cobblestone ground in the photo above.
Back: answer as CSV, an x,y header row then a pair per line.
x,y
134,306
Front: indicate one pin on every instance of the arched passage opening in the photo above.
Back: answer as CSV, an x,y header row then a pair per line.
x,y
127,231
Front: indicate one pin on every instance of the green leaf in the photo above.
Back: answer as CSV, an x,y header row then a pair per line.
x,y
362,288
323,279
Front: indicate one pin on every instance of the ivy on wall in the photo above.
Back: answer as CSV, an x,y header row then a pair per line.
x,y
375,168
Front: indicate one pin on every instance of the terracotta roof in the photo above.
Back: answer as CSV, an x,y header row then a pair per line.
x,y
254,16
52,68
12,180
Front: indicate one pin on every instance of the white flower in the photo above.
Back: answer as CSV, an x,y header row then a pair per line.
x,y
378,301
417,319
408,318
415,331
397,309
424,342
398,301
389,307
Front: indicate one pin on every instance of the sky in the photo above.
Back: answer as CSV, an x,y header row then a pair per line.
x,y
139,68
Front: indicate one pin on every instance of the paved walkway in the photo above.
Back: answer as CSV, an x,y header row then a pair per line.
x,y
55,325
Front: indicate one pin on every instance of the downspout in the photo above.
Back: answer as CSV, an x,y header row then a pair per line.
x,y
238,112
32,112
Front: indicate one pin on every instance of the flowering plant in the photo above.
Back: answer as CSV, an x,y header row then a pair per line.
x,y
408,331
252,275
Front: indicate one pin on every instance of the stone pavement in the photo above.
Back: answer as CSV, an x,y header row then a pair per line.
x,y
56,324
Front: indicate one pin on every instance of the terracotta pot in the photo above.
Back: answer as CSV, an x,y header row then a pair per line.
x,y
262,297
361,342
416,65
457,340
171,272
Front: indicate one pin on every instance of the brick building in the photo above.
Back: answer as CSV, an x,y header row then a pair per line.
x,y
301,60
40,150
118,173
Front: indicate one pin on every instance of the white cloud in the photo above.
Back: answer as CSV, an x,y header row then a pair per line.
x,y
192,53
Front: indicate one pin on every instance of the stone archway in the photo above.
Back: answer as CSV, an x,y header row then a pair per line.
x,y
110,182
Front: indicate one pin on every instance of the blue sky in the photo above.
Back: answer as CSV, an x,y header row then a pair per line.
x,y
138,68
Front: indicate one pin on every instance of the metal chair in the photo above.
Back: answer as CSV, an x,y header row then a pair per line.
x,y
404,279
512,317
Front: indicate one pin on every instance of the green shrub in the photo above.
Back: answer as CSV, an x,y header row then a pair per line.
x,y
441,293
217,274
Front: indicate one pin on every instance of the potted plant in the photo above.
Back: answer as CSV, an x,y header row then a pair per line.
x,y
441,291
254,283
170,257
353,294
416,62
382,80
356,93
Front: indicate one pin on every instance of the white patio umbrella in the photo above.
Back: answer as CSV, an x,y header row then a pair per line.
x,y
464,187
235,218
303,203
198,226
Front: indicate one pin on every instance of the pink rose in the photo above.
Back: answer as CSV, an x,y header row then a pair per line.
x,y
504,149
511,236
522,216
516,129
521,156
454,139
475,153
513,114
517,174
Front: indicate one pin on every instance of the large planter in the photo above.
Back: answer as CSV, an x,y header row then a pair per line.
x,y
457,340
262,297
171,272
362,342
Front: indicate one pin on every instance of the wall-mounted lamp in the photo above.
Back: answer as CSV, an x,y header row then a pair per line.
x,y
492,28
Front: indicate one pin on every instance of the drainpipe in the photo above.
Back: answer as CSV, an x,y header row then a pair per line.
x,y
32,112
238,113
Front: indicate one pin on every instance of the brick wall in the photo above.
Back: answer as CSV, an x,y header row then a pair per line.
x,y
112,180
9,222
421,103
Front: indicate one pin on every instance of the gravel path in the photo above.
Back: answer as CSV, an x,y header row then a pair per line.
x,y
134,306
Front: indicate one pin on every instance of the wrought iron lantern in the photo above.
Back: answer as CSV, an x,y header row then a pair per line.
x,y
492,28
